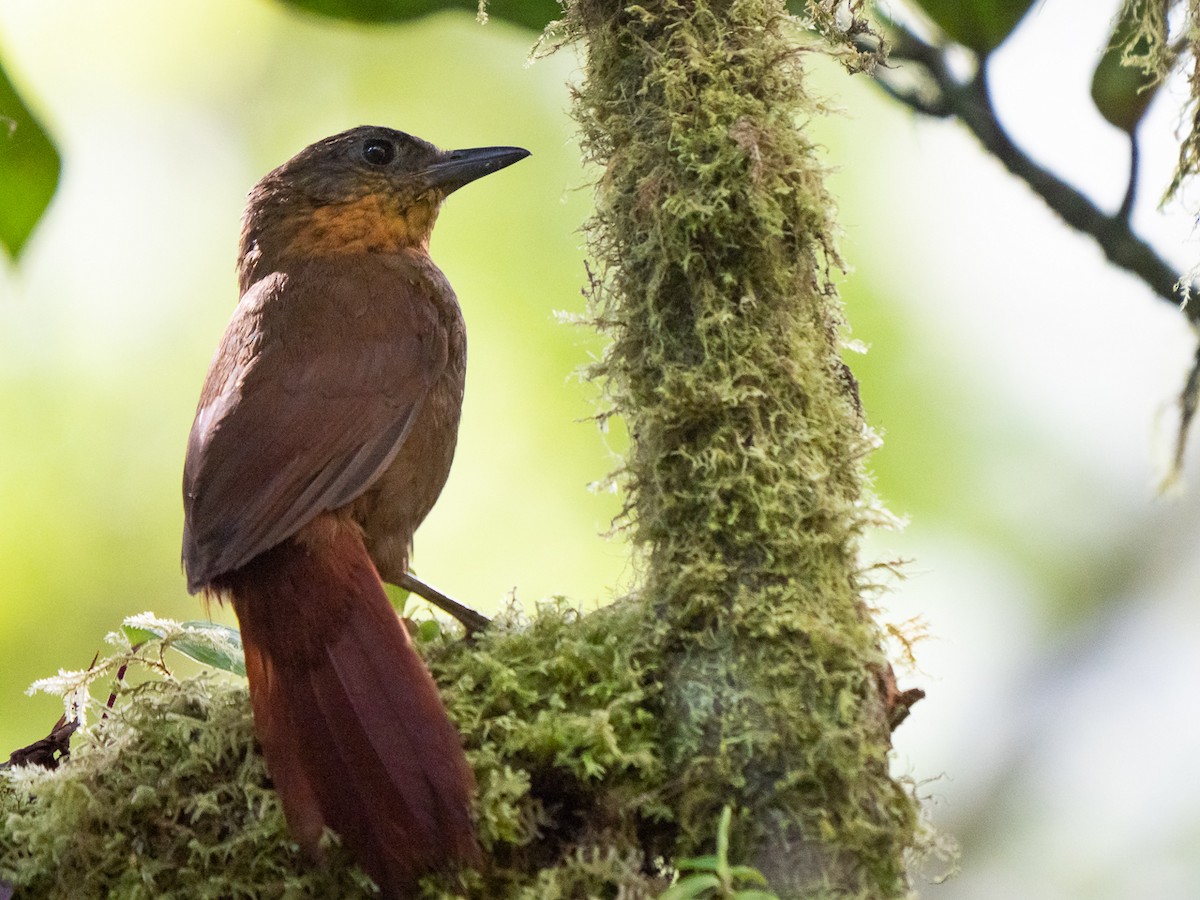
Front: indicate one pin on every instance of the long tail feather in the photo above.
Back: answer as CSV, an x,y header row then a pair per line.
x,y
351,724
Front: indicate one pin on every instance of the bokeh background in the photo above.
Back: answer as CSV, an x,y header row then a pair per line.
x,y
1024,390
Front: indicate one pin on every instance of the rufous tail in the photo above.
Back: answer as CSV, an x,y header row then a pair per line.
x,y
351,724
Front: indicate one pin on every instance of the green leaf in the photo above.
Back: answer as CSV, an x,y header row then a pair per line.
x,y
704,863
753,894
428,630
138,635
723,842
747,873
29,168
981,25
214,645
397,596
1125,82
690,887
534,14
209,643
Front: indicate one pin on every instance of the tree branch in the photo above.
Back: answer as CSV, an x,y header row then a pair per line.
x,y
970,102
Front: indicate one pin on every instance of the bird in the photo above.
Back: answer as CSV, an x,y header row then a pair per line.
x,y
323,436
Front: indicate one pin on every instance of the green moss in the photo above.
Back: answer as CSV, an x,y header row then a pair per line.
x,y
713,239
561,720
168,797
164,799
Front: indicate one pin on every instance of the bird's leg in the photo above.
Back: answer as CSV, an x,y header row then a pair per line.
x,y
472,621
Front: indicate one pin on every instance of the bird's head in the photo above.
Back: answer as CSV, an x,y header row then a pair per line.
x,y
369,189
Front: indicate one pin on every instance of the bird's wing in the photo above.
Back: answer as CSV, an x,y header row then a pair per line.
x,y
314,388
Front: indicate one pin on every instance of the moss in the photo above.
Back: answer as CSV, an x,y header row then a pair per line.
x,y
714,241
168,797
562,722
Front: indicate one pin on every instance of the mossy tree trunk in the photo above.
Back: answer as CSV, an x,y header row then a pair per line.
x,y
713,240
745,671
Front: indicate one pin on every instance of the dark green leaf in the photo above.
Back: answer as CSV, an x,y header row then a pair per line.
x,y
705,863
534,14
690,887
981,25
1122,88
29,167
209,643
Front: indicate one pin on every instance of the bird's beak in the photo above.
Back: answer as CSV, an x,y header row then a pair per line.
x,y
458,167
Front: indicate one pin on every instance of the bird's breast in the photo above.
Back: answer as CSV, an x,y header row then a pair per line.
x,y
390,511
395,505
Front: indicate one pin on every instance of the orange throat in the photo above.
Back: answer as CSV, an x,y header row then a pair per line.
x,y
374,223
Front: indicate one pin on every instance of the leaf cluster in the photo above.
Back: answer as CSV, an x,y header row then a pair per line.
x,y
714,876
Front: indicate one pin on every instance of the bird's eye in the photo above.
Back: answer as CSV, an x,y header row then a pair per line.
x,y
378,153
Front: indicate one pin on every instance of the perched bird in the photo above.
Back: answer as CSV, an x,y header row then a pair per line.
x,y
323,436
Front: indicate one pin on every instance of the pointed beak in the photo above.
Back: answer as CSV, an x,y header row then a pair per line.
x,y
458,167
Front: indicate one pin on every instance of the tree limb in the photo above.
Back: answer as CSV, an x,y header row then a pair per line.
x,y
970,102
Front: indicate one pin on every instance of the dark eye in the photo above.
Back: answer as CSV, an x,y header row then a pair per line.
x,y
378,153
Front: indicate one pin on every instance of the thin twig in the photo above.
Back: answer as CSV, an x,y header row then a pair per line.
x,y
1126,209
1189,399
970,102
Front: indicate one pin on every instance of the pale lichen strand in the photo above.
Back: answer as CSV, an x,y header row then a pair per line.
x,y
1188,165
713,238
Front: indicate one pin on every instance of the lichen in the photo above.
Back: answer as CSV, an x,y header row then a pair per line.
x,y
1151,47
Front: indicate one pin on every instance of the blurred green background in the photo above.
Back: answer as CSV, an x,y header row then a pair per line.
x,y
165,115
1022,388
